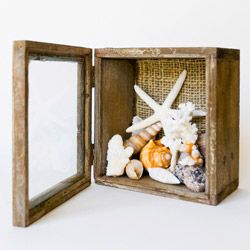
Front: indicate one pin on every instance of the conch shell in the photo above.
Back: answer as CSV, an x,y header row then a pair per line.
x,y
138,141
134,169
155,155
190,156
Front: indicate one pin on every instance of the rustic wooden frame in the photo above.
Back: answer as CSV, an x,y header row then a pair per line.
x,y
27,211
222,123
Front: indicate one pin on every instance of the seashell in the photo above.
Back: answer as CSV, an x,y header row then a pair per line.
x,y
163,175
179,172
194,178
201,142
155,155
138,141
117,156
190,156
134,169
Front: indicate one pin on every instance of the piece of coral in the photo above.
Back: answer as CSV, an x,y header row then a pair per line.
x,y
180,132
117,156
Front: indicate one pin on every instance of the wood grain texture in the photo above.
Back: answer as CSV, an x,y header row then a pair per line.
x,y
26,212
176,52
114,105
222,123
227,124
20,135
148,185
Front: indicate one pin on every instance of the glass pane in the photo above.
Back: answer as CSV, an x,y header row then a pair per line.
x,y
52,123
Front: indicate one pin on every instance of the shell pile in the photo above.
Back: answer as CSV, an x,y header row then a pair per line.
x,y
180,154
155,158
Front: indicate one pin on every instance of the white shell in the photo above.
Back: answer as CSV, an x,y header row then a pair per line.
x,y
117,156
134,169
187,159
163,175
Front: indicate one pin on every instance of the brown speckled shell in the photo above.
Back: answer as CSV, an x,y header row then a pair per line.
x,y
155,155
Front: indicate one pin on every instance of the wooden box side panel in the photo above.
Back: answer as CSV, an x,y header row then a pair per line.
x,y
114,104
20,135
227,123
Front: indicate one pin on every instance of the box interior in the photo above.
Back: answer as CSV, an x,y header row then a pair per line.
x,y
119,103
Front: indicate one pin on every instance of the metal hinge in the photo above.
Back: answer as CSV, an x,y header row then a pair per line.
x,y
93,154
93,77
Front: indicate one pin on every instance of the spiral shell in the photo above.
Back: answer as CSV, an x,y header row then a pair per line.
x,y
134,169
190,155
201,142
138,141
155,155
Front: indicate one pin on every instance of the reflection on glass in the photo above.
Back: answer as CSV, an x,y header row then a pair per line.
x,y
52,123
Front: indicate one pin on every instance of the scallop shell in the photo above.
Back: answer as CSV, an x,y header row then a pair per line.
x,y
138,141
155,155
134,169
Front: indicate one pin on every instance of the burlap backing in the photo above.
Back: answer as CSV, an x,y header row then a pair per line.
x,y
157,77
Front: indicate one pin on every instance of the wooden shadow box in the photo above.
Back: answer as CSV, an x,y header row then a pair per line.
x,y
212,81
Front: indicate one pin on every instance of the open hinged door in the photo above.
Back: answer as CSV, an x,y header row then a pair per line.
x,y
51,126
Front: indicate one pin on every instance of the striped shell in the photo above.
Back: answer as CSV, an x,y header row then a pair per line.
x,y
138,141
155,155
201,142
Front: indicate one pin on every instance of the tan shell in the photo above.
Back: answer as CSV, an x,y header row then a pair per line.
x,y
201,142
155,155
138,141
134,169
194,154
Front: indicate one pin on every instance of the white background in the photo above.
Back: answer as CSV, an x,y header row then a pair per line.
x,y
106,218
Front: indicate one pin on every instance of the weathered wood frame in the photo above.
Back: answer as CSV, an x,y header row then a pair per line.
x,y
222,123
27,211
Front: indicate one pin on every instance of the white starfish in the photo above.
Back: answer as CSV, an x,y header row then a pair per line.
x,y
162,112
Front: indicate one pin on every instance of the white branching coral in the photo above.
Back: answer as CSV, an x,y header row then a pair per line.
x,y
117,156
180,131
